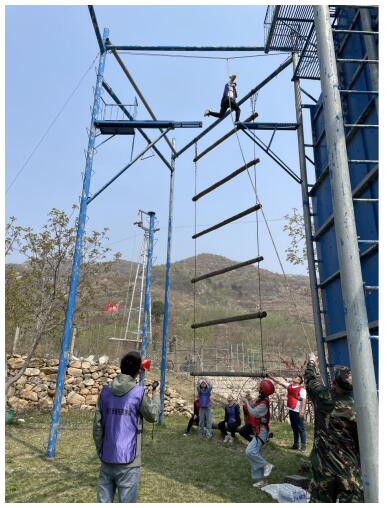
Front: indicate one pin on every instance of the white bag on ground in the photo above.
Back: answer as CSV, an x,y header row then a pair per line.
x,y
287,493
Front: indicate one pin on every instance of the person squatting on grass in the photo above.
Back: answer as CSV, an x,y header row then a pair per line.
x,y
335,457
204,388
260,410
232,420
117,431
296,404
194,420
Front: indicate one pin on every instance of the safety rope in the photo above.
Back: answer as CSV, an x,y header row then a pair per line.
x,y
195,270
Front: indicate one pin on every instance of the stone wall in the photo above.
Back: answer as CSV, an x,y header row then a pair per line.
x,y
35,389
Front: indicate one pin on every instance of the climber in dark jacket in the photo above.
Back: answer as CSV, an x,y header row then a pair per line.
x,y
232,420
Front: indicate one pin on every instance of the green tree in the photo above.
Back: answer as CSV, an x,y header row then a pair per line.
x,y
296,252
157,310
36,296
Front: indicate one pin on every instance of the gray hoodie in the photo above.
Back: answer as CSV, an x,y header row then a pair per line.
x,y
149,410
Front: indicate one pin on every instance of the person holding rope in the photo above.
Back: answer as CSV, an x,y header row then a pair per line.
x,y
296,404
117,431
228,100
260,468
204,388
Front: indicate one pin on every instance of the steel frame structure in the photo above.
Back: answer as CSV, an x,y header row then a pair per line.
x,y
306,30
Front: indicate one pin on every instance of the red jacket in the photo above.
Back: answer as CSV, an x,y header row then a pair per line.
x,y
293,396
254,421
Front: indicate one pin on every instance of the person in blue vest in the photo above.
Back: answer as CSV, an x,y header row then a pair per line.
x,y
204,388
117,431
232,420
260,468
228,100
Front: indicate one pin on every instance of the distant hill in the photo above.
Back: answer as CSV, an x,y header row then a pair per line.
x,y
233,293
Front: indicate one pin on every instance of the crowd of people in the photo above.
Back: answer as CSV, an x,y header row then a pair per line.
x,y
335,457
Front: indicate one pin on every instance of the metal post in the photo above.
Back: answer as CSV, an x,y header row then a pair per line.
x,y
15,340
148,280
359,344
51,447
308,229
73,335
163,366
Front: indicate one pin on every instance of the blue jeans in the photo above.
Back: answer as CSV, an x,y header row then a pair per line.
x,y
119,477
254,456
298,428
205,421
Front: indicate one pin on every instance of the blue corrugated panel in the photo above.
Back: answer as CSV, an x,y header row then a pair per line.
x,y
362,144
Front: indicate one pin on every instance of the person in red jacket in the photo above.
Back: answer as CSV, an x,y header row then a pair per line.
x,y
296,404
251,423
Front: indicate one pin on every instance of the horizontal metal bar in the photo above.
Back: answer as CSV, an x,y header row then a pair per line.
x,y
362,161
357,60
371,288
125,340
366,200
232,319
361,126
149,124
362,32
271,76
210,373
111,47
342,334
227,269
368,92
227,221
223,138
308,145
374,337
268,126
368,241
226,179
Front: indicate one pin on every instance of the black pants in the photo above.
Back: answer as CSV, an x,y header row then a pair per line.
x,y
246,431
298,428
223,427
194,420
224,105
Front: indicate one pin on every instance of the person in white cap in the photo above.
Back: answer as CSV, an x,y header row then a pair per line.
x,y
228,100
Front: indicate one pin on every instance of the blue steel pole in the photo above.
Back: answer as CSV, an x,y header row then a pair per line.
x,y
163,367
148,280
63,360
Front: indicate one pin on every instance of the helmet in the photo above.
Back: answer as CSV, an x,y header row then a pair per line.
x,y
266,387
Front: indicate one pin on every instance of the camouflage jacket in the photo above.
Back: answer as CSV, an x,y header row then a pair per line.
x,y
335,448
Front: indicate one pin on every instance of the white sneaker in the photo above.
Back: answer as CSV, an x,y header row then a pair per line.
x,y
226,438
231,440
267,469
259,483
206,112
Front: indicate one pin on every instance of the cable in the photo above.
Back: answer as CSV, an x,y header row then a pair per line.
x,y
52,124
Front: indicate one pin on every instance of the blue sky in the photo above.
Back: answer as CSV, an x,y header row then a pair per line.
x,y
48,50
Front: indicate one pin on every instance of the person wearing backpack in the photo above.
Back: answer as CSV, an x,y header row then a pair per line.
x,y
117,431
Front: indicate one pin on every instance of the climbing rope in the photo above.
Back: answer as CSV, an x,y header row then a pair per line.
x,y
195,270
254,186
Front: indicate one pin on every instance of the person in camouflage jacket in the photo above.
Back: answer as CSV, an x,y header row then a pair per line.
x,y
335,457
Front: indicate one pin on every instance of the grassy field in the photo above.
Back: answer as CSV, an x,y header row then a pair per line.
x,y
175,468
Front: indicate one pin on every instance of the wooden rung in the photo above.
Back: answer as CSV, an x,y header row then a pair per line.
x,y
243,317
223,138
227,221
227,269
227,374
226,179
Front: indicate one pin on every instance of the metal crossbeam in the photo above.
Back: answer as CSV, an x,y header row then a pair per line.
x,y
210,373
232,319
112,47
227,221
148,124
226,179
223,138
227,269
96,28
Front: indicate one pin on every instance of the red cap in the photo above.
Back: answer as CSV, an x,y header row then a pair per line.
x,y
266,387
146,363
